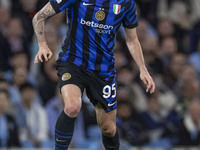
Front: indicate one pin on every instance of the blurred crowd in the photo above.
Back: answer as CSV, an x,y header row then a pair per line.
x,y
30,101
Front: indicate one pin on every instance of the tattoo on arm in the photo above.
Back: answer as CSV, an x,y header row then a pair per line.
x,y
39,20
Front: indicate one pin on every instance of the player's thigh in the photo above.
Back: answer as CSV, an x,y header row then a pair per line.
x,y
71,83
71,94
106,119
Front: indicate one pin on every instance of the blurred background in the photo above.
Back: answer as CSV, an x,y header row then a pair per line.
x,y
30,101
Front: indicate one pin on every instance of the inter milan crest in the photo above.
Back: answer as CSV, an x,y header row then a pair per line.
x,y
100,15
116,8
66,76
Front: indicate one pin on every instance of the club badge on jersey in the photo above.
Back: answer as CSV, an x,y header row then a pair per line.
x,y
100,15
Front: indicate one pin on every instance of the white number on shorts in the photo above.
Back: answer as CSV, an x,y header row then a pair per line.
x,y
114,89
107,90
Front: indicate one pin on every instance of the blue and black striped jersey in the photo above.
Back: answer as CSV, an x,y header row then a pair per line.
x,y
93,25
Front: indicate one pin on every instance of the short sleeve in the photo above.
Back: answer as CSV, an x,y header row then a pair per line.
x,y
60,5
130,19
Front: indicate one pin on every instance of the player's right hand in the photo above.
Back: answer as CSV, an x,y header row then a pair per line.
x,y
44,52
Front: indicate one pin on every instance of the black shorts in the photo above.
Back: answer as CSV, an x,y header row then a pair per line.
x,y
99,88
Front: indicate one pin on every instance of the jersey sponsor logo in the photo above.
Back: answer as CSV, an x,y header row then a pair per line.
x,y
100,28
100,15
87,4
111,104
66,76
58,1
116,9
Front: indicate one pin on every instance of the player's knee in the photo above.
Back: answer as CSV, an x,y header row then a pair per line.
x,y
108,130
72,109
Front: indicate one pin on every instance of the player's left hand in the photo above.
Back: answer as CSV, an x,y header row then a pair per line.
x,y
147,80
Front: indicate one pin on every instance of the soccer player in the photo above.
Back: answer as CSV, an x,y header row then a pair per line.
x,y
87,61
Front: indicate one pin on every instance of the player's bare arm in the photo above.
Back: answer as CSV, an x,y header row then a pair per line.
x,y
136,52
38,24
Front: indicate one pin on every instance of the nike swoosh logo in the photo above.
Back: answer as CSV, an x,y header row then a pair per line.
x,y
60,140
109,104
86,4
